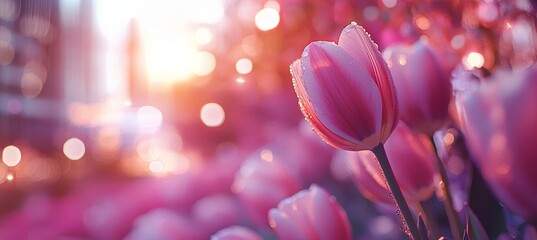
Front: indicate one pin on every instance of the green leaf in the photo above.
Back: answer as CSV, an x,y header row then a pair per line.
x,y
474,228
423,229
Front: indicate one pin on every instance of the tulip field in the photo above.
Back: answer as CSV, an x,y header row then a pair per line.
x,y
268,119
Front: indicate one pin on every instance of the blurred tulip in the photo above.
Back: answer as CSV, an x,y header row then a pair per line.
x,y
412,158
308,166
345,91
164,224
422,85
391,36
310,214
363,175
260,184
236,233
499,121
112,215
216,211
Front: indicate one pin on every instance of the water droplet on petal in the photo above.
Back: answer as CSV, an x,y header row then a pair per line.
x,y
354,23
304,54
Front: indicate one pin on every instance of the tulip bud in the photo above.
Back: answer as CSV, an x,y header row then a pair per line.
x,y
346,92
499,121
310,214
422,85
412,158
260,184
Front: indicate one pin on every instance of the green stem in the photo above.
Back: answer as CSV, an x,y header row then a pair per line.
x,y
453,216
429,220
406,215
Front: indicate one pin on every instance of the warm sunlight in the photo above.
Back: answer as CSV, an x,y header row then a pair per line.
x,y
168,54
268,119
168,35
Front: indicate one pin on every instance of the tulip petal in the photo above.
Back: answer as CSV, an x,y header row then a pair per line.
x,y
364,180
284,226
307,110
499,118
357,43
329,219
423,96
296,207
411,156
354,113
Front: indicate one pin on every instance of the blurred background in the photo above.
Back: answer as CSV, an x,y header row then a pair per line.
x,y
112,110
107,87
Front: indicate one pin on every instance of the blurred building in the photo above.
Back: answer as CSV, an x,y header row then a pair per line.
x,y
45,65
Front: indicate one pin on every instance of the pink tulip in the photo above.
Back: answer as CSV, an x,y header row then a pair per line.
x,y
499,121
216,211
363,172
412,158
236,233
310,214
308,166
260,184
345,91
422,85
164,224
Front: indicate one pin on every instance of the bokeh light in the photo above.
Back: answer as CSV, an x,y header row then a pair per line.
x,y
457,42
31,85
240,80
203,36
205,63
473,60
10,177
212,114
389,3
74,149
266,155
422,22
11,156
169,163
156,166
149,118
401,60
108,140
244,66
267,19
149,150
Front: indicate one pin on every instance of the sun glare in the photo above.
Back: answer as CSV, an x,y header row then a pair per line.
x,y
168,56
169,34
